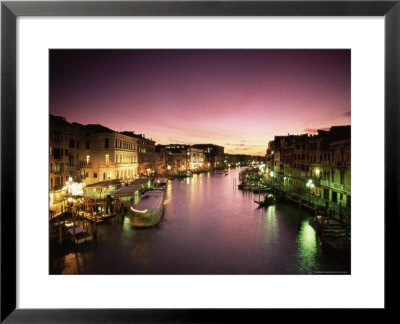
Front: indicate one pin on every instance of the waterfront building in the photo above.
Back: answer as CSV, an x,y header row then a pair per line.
x,y
196,158
63,157
243,159
313,167
172,158
146,153
106,154
214,155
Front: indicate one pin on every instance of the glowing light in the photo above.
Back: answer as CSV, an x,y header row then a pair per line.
x,y
76,189
168,167
271,173
139,211
70,179
69,199
317,171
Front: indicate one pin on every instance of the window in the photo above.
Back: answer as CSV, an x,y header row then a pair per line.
x,y
94,175
57,153
341,177
106,143
87,145
334,196
87,159
107,159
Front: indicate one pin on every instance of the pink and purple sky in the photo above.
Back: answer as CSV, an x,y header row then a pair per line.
x,y
238,99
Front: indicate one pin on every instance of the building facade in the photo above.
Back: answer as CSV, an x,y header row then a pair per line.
x,y
146,153
313,167
63,156
214,155
106,154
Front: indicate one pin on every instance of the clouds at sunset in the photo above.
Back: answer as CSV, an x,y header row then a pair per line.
x,y
203,96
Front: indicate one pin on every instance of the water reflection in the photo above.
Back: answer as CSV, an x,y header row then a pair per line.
x,y
208,227
271,226
307,252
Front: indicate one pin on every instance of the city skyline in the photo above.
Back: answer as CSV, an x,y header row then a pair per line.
x,y
238,99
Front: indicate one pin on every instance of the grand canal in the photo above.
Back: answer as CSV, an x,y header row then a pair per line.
x,y
208,227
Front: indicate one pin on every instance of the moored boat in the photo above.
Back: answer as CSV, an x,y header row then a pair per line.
x,y
268,200
79,235
149,210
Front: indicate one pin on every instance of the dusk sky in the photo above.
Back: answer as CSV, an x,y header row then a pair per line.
x,y
238,99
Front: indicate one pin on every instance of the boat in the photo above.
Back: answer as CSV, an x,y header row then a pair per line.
x,y
331,232
268,200
160,183
149,210
80,236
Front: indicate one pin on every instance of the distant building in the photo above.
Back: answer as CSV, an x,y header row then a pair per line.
x,y
243,159
213,154
196,158
172,158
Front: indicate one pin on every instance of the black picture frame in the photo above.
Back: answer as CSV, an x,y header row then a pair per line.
x,y
10,10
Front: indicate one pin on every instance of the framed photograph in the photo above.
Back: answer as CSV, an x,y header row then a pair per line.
x,y
197,160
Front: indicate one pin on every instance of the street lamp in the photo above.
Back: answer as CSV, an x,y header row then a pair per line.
x,y
310,185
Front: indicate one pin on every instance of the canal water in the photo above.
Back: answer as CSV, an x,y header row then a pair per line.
x,y
208,227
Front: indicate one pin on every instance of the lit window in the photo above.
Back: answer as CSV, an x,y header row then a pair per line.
x,y
87,159
107,159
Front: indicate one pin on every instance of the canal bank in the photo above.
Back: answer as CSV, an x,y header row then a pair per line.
x,y
208,227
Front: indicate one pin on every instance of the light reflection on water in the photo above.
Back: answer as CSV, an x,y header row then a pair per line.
x,y
208,227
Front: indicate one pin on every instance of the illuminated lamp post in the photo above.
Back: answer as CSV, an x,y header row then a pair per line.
x,y
272,177
310,185
284,184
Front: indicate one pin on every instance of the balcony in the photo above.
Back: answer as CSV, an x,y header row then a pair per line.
x,y
335,186
325,183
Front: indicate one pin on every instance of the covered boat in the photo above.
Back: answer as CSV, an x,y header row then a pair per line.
x,y
149,210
